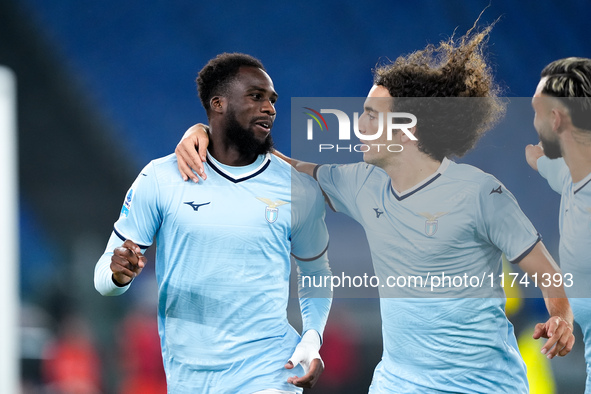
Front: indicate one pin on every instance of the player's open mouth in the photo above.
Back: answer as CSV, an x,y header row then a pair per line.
x,y
266,126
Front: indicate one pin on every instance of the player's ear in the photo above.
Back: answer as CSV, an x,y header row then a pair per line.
x,y
561,120
557,120
217,104
405,138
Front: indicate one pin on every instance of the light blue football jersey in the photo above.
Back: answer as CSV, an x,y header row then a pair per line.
x,y
223,267
458,221
575,243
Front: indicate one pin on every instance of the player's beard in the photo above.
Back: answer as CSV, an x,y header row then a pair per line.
x,y
551,148
243,139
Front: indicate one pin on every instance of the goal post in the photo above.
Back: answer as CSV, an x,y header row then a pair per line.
x,y
9,234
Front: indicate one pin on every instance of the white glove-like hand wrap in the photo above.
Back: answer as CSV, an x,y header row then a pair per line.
x,y
307,350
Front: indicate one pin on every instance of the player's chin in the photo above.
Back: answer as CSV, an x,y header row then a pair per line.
x,y
260,133
368,157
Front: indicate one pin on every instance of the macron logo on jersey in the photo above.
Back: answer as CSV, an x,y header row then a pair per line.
x,y
272,210
196,206
378,212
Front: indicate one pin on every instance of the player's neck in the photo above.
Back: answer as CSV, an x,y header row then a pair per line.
x,y
577,157
410,170
228,154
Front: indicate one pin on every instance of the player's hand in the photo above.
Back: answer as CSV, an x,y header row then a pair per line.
x,y
127,262
306,354
560,336
310,378
191,152
532,154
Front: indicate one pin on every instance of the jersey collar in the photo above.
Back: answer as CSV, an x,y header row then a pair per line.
x,y
421,185
239,176
581,184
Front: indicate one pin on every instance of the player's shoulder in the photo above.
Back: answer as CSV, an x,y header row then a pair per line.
x,y
285,171
304,185
471,176
485,186
355,171
280,162
361,167
164,162
306,196
162,169
279,167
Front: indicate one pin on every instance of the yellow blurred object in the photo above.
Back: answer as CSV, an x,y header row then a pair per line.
x,y
539,370
513,293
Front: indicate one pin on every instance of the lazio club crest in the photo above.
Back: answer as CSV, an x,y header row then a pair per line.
x,y
431,224
272,210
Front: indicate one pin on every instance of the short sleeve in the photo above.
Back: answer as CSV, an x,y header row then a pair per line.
x,y
342,183
140,216
503,222
309,234
555,171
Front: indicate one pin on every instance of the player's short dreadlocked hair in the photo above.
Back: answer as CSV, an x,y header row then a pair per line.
x,y
569,80
455,70
219,73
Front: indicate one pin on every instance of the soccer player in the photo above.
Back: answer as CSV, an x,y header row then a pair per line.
x,y
562,105
424,214
223,248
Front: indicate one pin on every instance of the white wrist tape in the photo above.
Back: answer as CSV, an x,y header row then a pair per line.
x,y
307,350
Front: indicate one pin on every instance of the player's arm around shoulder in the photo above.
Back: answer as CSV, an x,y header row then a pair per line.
x,y
559,327
191,152
301,166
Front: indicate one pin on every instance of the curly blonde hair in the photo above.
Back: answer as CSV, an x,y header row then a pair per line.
x,y
462,102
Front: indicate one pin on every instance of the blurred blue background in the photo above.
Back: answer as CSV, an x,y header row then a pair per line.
x,y
106,86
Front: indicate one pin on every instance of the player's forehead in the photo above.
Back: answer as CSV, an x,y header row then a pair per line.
x,y
542,100
378,91
378,99
253,78
540,87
